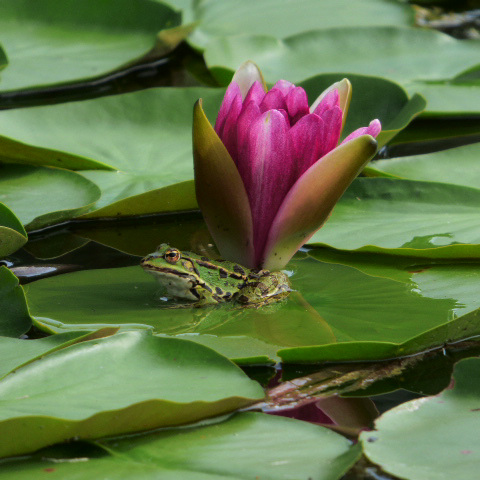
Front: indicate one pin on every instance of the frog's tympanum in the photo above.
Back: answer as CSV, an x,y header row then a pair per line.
x,y
190,276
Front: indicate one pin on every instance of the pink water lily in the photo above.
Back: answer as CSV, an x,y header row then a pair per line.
x,y
271,171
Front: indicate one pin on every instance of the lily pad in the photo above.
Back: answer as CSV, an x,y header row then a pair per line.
x,y
336,312
410,442
99,388
16,352
397,53
14,317
449,98
280,19
12,233
146,135
249,445
48,43
3,59
456,165
402,217
43,196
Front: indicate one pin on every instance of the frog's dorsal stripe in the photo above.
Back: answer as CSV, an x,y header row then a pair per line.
x,y
223,272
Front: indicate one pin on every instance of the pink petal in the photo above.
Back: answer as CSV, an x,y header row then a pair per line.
x,y
332,119
267,172
273,100
255,94
373,129
330,100
233,91
311,199
297,104
284,86
249,115
229,133
307,137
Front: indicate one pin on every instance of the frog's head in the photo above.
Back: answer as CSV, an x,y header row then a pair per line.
x,y
177,274
168,261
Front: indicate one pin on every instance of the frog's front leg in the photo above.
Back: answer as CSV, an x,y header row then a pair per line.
x,y
206,295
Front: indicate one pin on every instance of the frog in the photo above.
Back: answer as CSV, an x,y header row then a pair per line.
x,y
186,275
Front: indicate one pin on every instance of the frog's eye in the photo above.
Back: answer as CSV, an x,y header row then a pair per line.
x,y
172,256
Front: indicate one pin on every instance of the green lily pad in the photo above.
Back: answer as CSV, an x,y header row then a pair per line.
x,y
48,43
12,233
43,196
248,445
434,437
402,217
336,312
3,59
146,135
456,165
397,53
449,98
100,388
14,317
17,353
288,17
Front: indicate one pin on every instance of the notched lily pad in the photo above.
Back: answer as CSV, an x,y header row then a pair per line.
x,y
410,442
401,54
282,19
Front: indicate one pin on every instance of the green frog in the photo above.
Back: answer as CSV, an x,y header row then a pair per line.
x,y
204,281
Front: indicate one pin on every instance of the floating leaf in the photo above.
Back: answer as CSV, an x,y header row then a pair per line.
x,y
3,59
16,352
146,135
456,165
50,44
402,217
285,18
249,445
14,317
12,233
400,54
337,312
43,196
448,98
410,442
100,388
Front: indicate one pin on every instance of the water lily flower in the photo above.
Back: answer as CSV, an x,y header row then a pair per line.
x,y
270,172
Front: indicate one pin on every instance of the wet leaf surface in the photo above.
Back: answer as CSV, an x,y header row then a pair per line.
x,y
48,43
248,445
99,388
